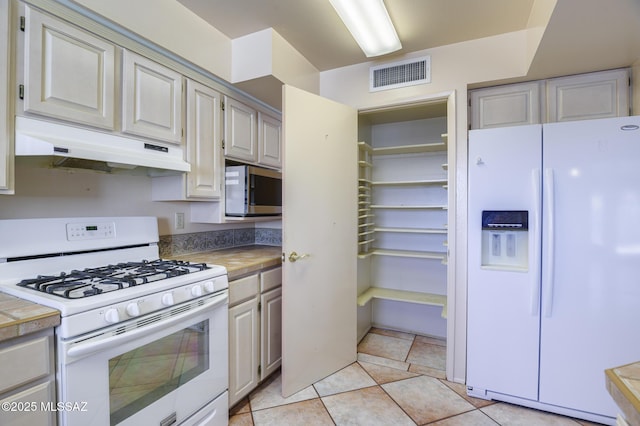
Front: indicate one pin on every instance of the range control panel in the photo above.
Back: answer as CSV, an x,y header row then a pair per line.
x,y
90,231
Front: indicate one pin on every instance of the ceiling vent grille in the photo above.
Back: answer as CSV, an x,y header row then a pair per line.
x,y
400,74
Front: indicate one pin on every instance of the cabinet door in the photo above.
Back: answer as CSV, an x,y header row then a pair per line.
x,y
35,397
240,131
269,141
588,96
6,156
68,73
244,341
151,99
509,105
28,380
271,333
34,352
270,279
203,141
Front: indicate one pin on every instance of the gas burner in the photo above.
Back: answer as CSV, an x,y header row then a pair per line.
x,y
94,281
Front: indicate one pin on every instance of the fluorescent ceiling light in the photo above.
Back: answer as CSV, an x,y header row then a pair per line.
x,y
369,23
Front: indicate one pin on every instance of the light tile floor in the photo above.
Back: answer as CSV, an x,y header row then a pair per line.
x,y
399,379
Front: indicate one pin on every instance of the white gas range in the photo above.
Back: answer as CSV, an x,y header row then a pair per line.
x,y
141,340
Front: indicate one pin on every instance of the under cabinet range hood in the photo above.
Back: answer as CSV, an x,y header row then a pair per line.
x,y
103,150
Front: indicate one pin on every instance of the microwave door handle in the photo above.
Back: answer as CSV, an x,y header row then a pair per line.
x,y
89,346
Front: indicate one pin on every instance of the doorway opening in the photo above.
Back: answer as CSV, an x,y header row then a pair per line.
x,y
404,220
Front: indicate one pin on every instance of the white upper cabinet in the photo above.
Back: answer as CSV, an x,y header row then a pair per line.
x,y
588,96
269,141
240,138
511,105
6,158
203,141
203,135
251,136
152,99
69,74
579,97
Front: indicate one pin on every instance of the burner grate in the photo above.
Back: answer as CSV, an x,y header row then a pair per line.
x,y
93,281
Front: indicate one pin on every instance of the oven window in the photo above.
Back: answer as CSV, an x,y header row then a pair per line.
x,y
140,377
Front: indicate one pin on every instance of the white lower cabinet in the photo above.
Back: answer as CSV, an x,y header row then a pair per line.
x,y
271,321
244,342
28,395
255,324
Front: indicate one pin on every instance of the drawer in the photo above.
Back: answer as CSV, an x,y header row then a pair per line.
x,y
243,289
33,406
270,279
34,353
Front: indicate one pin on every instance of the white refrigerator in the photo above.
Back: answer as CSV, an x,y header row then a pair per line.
x,y
554,263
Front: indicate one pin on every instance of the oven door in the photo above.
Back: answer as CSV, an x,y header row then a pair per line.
x,y
159,369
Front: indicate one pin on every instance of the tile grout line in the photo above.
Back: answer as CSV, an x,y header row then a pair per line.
x,y
409,365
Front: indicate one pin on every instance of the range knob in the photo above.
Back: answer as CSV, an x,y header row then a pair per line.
x,y
133,309
209,287
111,316
167,299
196,290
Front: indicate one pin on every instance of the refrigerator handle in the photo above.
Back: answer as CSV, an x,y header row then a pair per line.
x,y
535,233
547,288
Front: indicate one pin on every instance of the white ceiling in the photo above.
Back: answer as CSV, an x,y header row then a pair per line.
x,y
315,30
582,36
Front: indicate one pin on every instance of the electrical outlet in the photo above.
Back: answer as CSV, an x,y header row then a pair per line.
x,y
179,220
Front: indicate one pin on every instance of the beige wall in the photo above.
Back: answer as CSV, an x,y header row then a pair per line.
x,y
172,26
43,191
267,53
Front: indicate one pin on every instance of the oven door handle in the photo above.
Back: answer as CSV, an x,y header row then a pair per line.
x,y
89,346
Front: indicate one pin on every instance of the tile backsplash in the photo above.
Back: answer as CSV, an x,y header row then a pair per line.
x,y
215,240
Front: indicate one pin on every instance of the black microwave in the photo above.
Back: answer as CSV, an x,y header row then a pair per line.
x,y
252,191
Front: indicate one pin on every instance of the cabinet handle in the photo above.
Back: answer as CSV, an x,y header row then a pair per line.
x,y
295,256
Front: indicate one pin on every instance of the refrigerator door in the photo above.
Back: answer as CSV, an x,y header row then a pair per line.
x,y
591,258
503,300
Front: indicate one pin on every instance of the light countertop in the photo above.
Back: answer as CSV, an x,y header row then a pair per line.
x,y
623,383
19,317
239,261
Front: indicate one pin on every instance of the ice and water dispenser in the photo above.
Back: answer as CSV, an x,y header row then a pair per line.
x,y
505,239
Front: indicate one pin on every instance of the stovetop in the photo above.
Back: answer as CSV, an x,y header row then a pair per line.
x,y
88,282
93,269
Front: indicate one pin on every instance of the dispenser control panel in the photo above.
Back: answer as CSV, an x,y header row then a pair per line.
x,y
505,239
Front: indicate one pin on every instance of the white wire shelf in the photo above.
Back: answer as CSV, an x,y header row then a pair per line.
x,y
404,296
